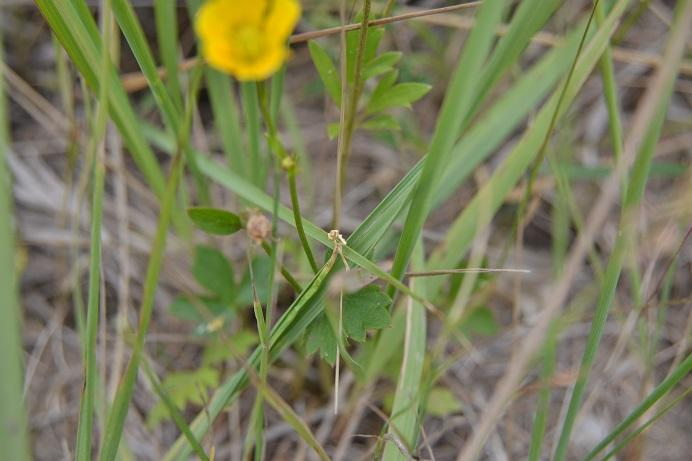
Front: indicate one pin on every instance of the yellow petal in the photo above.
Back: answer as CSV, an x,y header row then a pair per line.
x,y
261,68
216,17
282,18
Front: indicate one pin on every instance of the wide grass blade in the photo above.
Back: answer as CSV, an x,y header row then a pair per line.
x,y
13,420
455,112
404,418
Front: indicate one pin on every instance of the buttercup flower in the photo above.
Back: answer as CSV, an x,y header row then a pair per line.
x,y
246,38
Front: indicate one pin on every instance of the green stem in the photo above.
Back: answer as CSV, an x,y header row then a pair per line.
x,y
297,216
288,163
347,127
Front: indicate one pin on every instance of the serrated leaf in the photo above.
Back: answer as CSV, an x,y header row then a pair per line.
x,y
442,402
381,122
481,321
363,310
215,221
213,271
381,64
320,337
326,70
399,95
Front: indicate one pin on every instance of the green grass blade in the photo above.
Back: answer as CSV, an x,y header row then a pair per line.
x,y
659,414
86,411
167,38
123,396
250,103
121,402
508,173
13,420
610,91
404,418
455,111
528,19
226,119
633,197
681,372
75,29
134,34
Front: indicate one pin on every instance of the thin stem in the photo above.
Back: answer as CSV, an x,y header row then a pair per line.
x,y
347,125
295,204
288,163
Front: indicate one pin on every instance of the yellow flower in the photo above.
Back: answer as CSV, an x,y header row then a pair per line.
x,y
246,38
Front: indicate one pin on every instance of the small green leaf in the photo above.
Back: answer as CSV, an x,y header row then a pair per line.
x,y
320,336
326,70
215,221
481,321
381,122
381,64
213,271
399,95
442,402
365,309
384,85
